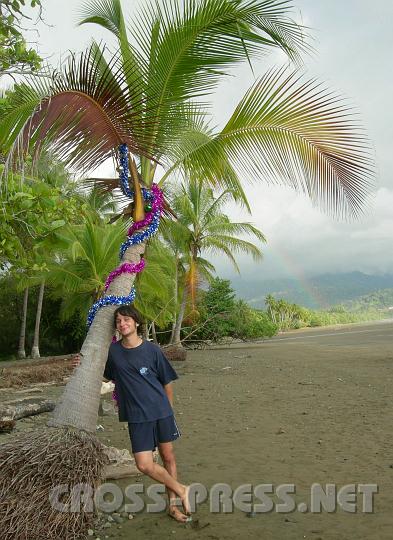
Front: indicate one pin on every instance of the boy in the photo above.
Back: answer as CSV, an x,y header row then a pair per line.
x,y
143,376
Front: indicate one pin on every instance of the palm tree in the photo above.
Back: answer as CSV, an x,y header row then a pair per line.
x,y
150,96
22,332
203,228
35,350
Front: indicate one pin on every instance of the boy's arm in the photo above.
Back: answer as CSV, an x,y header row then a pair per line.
x,y
169,392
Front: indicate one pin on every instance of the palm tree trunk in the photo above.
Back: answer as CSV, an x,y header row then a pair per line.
x,y
176,338
22,334
145,331
172,332
79,403
35,351
175,301
153,332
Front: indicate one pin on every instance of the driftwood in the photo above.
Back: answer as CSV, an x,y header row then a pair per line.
x,y
14,410
121,463
116,472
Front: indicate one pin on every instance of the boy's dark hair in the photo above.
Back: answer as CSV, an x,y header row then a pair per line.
x,y
127,311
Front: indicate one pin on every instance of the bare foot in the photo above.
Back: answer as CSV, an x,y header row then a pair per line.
x,y
175,513
185,500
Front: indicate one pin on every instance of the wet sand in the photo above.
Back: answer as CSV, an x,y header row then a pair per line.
x,y
304,408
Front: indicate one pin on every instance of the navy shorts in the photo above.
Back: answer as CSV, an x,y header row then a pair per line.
x,y
147,435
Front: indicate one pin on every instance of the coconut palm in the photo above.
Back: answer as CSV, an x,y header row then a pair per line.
x,y
201,229
150,96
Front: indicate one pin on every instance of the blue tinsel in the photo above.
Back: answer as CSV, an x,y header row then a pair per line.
x,y
110,300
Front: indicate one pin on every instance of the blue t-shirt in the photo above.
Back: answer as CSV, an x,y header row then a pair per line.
x,y
139,375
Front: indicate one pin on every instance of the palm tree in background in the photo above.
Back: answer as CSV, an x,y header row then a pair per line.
x,y
155,297
88,253
151,95
85,256
202,228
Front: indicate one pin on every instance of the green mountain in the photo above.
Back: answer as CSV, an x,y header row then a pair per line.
x,y
317,292
381,300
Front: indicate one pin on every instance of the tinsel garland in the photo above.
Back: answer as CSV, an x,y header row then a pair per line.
x,y
153,205
110,300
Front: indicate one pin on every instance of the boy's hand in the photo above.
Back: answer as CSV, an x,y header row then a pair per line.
x,y
76,361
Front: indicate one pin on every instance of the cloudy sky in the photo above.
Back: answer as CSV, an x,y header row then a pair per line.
x,y
353,42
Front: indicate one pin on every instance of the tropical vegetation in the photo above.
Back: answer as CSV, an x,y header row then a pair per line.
x,y
151,95
202,230
286,315
16,56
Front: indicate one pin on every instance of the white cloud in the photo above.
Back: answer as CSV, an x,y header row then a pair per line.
x,y
303,240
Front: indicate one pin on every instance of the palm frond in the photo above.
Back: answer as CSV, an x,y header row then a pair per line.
x,y
217,246
198,40
81,114
109,15
273,19
206,269
25,100
236,245
155,290
298,133
224,225
187,47
88,254
221,175
105,13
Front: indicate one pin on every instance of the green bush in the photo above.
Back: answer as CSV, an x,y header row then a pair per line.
x,y
221,316
249,323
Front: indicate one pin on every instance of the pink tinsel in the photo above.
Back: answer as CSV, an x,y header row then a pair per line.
x,y
139,224
129,268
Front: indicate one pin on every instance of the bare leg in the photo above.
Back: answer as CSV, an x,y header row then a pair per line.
x,y
169,461
144,462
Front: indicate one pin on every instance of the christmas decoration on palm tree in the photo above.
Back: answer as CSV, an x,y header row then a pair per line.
x,y
154,201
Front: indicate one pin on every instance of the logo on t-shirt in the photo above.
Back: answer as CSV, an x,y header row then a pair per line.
x,y
144,371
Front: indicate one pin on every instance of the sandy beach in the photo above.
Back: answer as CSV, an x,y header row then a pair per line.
x,y
304,408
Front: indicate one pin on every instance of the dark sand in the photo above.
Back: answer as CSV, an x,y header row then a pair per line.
x,y
304,408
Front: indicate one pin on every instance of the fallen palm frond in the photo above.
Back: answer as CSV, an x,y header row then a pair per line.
x,y
41,372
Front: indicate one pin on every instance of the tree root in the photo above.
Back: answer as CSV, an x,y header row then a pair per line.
x,y
32,465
